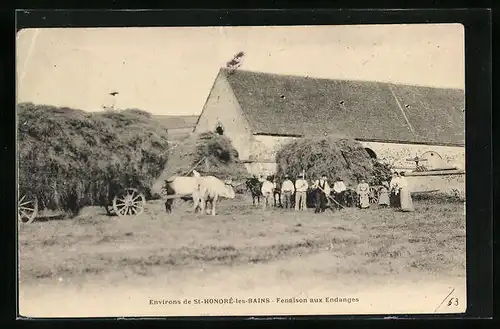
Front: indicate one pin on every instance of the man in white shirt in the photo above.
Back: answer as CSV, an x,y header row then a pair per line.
x,y
338,189
267,191
301,187
321,194
287,190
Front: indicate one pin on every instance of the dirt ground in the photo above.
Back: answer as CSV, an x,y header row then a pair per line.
x,y
372,261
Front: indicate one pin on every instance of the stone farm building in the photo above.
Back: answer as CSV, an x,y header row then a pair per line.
x,y
178,127
260,112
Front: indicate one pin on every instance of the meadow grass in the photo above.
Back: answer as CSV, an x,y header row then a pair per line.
x,y
372,242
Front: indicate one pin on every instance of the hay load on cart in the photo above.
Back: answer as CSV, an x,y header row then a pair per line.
x,y
336,157
209,154
69,159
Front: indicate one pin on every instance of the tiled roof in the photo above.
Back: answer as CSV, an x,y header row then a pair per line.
x,y
292,105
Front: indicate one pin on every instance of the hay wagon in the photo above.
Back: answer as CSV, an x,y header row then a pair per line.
x,y
127,202
118,201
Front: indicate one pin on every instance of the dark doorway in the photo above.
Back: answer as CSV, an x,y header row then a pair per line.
x,y
370,152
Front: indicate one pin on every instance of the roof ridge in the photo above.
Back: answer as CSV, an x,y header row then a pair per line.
x,y
296,76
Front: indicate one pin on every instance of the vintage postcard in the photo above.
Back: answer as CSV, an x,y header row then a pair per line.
x,y
241,171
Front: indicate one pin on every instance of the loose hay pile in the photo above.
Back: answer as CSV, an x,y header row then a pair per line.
x,y
70,158
208,153
335,157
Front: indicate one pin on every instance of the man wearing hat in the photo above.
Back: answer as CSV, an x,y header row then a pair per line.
x,y
339,189
321,193
267,191
301,187
287,190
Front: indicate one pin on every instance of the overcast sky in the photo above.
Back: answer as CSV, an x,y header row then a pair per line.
x,y
171,70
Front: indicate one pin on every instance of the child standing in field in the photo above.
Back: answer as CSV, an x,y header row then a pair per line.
x,y
383,199
363,191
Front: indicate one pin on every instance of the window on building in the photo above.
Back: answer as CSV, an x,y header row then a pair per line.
x,y
371,153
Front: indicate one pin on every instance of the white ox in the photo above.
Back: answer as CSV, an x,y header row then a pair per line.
x,y
210,189
180,186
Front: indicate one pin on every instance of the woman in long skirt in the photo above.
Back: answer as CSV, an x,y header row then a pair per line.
x,y
363,191
383,199
405,194
394,189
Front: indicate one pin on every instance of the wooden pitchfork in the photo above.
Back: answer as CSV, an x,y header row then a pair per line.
x,y
330,197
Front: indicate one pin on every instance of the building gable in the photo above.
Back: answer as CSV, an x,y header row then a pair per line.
x,y
223,109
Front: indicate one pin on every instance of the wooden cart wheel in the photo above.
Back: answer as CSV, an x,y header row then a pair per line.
x,y
27,209
129,203
373,195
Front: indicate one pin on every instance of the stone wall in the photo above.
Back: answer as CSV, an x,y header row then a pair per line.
x,y
449,182
264,148
261,168
437,156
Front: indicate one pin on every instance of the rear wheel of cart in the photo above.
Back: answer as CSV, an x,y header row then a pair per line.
x,y
129,203
27,208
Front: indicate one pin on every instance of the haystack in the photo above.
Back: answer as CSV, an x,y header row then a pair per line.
x,y
70,158
335,157
208,153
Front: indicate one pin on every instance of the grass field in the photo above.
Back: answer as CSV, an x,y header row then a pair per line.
x,y
352,245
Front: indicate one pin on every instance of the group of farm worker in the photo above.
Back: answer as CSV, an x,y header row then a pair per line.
x,y
395,194
400,192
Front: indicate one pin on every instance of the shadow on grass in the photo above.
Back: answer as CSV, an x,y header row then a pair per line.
x,y
47,218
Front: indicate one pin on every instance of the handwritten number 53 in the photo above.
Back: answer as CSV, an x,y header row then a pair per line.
x,y
453,302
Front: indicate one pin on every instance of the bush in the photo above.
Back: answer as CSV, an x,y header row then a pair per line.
x,y
334,157
70,158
